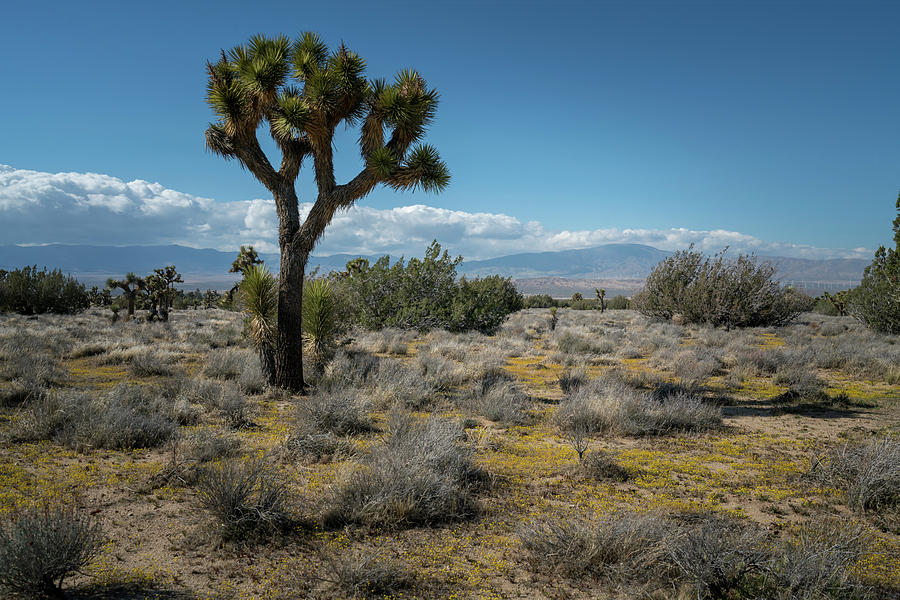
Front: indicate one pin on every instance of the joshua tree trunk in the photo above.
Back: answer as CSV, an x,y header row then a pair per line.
x,y
289,347
130,305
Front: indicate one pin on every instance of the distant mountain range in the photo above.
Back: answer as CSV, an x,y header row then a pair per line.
x,y
620,267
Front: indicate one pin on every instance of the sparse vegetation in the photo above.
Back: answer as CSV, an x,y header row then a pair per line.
x,y
246,497
421,475
41,546
685,424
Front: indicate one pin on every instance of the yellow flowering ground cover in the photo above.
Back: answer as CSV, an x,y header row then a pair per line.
x,y
759,467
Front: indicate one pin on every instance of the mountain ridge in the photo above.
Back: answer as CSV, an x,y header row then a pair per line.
x,y
626,262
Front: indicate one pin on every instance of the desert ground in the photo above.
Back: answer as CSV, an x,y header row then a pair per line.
x,y
745,430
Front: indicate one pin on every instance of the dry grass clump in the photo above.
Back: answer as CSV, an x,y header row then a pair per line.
x,y
609,405
618,547
246,497
125,417
40,547
228,363
367,575
207,445
386,381
389,340
718,558
572,378
421,475
151,363
343,411
870,474
497,397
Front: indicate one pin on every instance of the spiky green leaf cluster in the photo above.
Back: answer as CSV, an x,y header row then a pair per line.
x,y
251,84
259,302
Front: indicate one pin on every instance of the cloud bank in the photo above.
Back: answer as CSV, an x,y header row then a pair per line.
x,y
92,208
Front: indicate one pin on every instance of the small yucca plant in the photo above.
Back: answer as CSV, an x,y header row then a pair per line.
x,y
321,323
259,302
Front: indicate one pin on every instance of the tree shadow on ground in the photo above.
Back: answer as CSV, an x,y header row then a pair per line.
x,y
128,591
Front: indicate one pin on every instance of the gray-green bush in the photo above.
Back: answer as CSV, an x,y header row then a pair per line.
x,y
245,497
421,475
718,292
40,547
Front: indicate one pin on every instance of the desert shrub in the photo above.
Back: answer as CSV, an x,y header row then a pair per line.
x,y
482,304
572,379
341,411
367,575
425,294
421,475
310,443
718,556
497,397
151,363
817,563
245,497
206,445
876,301
440,372
252,380
28,291
804,382
599,464
227,363
539,301
618,303
609,405
569,342
693,367
40,547
869,473
718,292
125,417
234,406
619,547
389,340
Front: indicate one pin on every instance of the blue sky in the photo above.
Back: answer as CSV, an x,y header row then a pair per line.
x,y
771,126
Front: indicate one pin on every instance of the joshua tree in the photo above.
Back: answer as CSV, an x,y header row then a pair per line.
x,y
601,296
131,286
246,258
248,87
159,284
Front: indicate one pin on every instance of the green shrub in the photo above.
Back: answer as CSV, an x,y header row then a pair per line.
x,y
29,292
719,292
482,304
876,301
539,301
39,547
618,303
425,294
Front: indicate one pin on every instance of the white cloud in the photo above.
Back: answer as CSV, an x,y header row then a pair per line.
x,y
82,208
